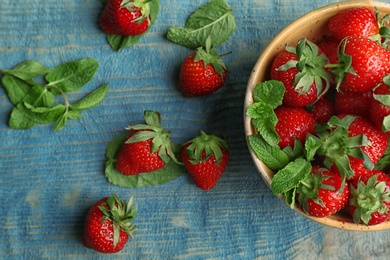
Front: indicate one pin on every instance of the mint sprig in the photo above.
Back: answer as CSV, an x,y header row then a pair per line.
x,y
35,102
214,20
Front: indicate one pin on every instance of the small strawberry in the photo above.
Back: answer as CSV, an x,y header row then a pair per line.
x,y
202,72
108,225
205,157
322,193
353,103
322,110
362,64
293,122
369,199
302,72
360,21
125,17
329,46
147,149
380,106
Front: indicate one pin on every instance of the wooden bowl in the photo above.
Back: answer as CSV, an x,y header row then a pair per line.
x,y
312,26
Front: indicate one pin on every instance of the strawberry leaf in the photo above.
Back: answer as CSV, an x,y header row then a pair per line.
x,y
169,172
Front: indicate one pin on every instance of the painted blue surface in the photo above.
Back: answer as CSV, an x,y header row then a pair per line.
x,y
49,179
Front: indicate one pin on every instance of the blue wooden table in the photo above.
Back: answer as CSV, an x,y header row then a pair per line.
x,y
49,179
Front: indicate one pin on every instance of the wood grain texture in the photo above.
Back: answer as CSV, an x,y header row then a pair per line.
x,y
49,179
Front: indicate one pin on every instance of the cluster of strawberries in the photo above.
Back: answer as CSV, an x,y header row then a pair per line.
x,y
337,102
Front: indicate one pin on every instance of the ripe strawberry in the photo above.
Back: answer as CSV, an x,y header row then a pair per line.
x,y
205,157
330,46
202,72
369,199
351,145
147,149
302,72
353,103
293,122
322,193
125,17
322,110
379,109
107,226
362,64
360,21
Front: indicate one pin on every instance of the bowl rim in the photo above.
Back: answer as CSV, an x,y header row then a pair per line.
x,y
341,222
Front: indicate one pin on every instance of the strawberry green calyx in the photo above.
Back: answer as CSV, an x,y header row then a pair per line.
x,y
152,129
120,214
210,144
311,65
383,35
210,56
369,198
134,5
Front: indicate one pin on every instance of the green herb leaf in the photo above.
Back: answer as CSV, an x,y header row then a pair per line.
x,y
60,122
269,92
290,176
213,19
19,120
272,156
39,96
91,99
74,115
27,70
15,88
169,172
42,115
72,75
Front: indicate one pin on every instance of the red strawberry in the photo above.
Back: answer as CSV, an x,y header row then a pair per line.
x,y
353,103
205,157
351,145
322,110
107,226
362,64
293,122
125,17
202,72
369,200
302,72
147,149
380,106
329,46
322,193
360,21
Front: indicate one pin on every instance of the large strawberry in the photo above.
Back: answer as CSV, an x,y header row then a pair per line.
x,y
360,21
148,147
362,64
322,193
109,224
379,109
350,145
302,72
293,122
202,72
369,201
125,17
205,157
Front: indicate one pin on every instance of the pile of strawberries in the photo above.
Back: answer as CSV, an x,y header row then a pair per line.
x,y
333,120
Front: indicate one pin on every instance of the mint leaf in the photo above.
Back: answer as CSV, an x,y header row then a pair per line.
x,y
60,122
290,176
269,92
73,115
42,115
27,70
272,156
19,120
39,96
169,172
91,99
72,75
214,20
15,88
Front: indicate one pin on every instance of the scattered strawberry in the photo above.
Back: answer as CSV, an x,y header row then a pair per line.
x,y
108,225
125,17
302,72
360,21
379,111
293,122
362,64
369,199
322,193
202,72
147,149
205,157
353,103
